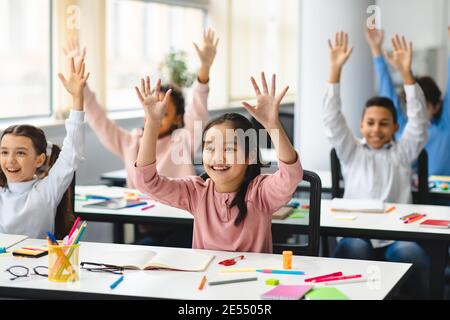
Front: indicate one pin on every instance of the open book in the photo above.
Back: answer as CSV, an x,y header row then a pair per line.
x,y
357,205
9,240
146,260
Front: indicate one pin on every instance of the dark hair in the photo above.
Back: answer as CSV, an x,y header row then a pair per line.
x,y
431,91
177,98
381,102
64,212
253,170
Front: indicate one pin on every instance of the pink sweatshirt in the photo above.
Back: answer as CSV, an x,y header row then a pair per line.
x,y
125,144
214,227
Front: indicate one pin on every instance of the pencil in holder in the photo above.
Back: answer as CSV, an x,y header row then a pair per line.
x,y
63,263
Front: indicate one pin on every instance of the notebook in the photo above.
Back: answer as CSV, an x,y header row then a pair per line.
x,y
357,205
444,224
10,240
116,204
325,293
146,260
282,213
286,292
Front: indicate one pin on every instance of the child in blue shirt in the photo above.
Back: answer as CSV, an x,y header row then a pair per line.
x,y
438,146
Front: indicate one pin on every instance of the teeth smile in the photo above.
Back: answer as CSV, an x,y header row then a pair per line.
x,y
220,168
13,170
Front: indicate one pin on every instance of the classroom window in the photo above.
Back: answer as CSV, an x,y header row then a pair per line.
x,y
139,35
263,38
25,87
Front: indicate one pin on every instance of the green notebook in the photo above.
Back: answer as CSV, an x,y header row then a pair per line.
x,y
325,293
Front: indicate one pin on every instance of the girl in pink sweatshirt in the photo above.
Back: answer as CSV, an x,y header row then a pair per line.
x,y
233,207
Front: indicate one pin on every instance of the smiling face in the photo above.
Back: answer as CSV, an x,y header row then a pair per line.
x,y
224,158
18,158
377,126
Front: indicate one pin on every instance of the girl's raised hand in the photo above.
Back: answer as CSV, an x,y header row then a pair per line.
x,y
375,39
154,106
208,52
340,52
267,106
77,78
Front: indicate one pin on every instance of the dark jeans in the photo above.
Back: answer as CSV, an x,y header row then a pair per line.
x,y
416,286
176,236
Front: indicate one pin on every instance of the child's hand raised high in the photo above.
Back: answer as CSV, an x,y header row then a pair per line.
x,y
401,58
154,106
207,54
375,39
267,106
339,54
76,82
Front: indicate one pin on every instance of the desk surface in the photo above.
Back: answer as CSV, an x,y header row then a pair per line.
x,y
375,223
183,285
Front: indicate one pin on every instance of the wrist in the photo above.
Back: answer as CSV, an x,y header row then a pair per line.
x,y
203,74
376,51
78,102
335,74
408,77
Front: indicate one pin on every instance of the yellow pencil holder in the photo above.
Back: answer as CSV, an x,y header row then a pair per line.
x,y
63,263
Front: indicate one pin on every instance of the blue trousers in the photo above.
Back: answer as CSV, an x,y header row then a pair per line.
x,y
416,286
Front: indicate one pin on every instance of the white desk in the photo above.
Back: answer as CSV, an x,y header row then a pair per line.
x,y
183,285
375,226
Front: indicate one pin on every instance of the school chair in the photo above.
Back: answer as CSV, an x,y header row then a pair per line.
x,y
313,227
65,216
419,197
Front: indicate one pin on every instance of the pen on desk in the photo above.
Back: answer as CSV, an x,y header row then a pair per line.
x,y
232,281
116,283
202,283
414,219
347,281
280,271
147,207
330,275
135,205
356,276
97,198
390,209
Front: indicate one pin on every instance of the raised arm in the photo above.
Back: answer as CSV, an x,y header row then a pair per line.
x,y
114,138
197,110
72,153
415,135
179,193
266,112
336,128
386,87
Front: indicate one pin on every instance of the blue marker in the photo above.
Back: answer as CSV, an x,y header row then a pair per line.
x,y
135,205
2,250
116,283
280,271
52,238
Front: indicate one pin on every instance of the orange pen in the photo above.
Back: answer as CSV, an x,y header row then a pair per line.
x,y
202,283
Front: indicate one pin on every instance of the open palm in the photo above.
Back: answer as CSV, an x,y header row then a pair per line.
x,y
154,107
339,52
401,57
208,52
267,106
77,79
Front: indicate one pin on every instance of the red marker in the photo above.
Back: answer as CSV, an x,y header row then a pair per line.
x,y
414,219
331,275
356,276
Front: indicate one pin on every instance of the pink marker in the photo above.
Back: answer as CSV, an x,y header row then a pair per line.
x,y
331,275
338,278
75,224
